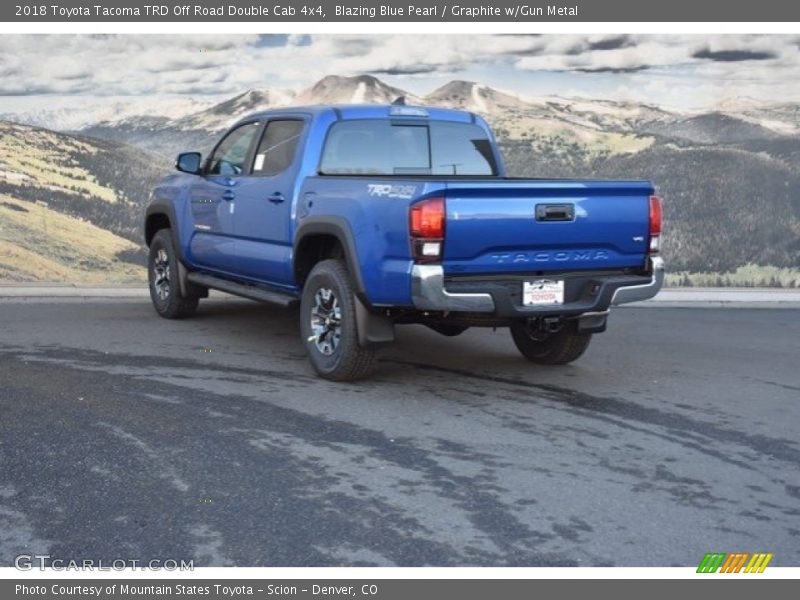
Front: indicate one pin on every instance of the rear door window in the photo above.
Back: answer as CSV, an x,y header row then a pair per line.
x,y
277,148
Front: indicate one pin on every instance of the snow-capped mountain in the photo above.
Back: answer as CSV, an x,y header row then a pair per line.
x,y
361,89
597,126
220,116
71,113
468,95
121,118
780,118
197,130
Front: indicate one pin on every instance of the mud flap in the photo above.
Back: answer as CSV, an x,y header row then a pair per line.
x,y
373,330
188,288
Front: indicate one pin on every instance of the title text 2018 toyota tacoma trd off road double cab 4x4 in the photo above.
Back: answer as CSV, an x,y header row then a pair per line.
x,y
372,216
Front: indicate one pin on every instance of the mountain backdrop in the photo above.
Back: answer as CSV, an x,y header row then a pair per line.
x,y
73,186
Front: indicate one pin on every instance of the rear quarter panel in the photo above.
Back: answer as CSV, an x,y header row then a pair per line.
x,y
376,211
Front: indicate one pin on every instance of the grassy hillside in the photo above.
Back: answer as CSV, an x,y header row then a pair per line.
x,y
40,158
71,207
40,244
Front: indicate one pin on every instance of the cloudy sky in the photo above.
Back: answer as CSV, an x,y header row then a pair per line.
x,y
682,71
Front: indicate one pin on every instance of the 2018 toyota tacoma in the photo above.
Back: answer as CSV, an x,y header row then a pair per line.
x,y
372,216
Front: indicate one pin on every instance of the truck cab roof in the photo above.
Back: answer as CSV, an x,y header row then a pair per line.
x,y
370,111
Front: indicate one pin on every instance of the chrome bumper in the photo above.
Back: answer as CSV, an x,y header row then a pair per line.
x,y
428,293
637,293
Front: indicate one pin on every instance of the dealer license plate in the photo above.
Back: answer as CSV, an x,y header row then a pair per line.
x,y
542,291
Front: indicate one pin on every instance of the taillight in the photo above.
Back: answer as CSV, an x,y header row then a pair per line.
x,y
656,215
426,221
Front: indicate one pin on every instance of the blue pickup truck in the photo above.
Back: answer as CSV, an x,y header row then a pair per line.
x,y
374,216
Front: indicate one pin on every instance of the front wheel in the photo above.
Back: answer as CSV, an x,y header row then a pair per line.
x,y
559,348
328,324
165,287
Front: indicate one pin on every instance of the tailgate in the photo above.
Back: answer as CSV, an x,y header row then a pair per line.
x,y
509,226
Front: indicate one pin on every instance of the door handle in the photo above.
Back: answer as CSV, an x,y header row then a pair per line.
x,y
228,195
276,198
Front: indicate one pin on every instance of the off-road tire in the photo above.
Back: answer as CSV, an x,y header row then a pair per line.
x,y
162,268
347,361
558,348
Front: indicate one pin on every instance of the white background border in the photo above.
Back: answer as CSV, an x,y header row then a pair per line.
x,y
372,28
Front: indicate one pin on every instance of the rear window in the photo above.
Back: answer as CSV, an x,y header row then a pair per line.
x,y
386,147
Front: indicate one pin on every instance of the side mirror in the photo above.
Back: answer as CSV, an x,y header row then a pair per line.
x,y
189,162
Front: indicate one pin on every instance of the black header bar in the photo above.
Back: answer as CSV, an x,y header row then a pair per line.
x,y
314,11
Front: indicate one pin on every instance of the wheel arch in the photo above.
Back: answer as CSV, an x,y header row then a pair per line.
x,y
153,224
160,214
373,329
315,238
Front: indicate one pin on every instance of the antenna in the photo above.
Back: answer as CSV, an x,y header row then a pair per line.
x,y
399,101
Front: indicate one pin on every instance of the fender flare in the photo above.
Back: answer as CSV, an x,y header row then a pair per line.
x,y
161,207
338,228
164,208
374,330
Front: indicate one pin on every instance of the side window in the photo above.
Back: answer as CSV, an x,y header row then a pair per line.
x,y
230,156
276,151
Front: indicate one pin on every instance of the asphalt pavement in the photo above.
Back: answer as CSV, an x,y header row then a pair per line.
x,y
123,435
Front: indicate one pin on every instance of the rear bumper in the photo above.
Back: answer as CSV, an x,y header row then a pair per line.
x,y
636,293
428,293
502,296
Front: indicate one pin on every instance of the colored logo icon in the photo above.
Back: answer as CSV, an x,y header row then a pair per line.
x,y
735,562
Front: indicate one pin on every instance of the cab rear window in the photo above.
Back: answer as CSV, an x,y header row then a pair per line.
x,y
393,147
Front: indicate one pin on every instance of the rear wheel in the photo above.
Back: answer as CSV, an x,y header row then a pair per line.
x,y
544,348
328,324
165,288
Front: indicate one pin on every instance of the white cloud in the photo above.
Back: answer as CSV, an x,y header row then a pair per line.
x,y
226,64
